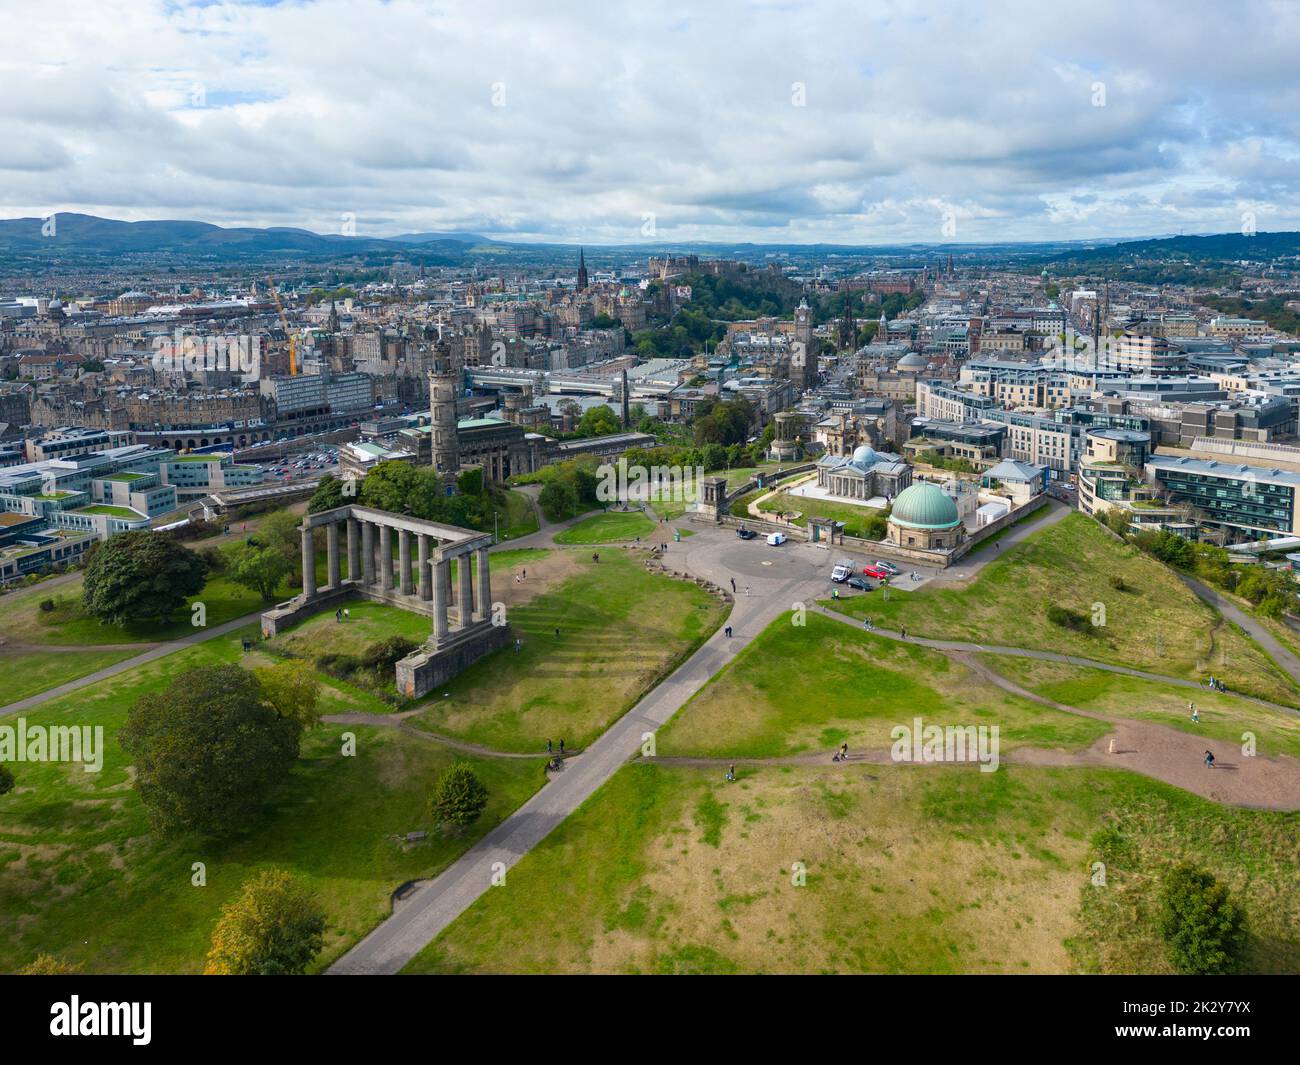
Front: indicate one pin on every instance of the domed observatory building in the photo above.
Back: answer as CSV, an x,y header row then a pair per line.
x,y
925,518
868,474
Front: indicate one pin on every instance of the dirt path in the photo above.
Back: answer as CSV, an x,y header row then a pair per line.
x,y
399,721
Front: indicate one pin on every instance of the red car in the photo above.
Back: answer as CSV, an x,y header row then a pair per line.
x,y
877,572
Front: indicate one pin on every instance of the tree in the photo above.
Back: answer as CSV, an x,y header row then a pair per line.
x,y
6,780
291,689
49,965
138,576
599,421
558,500
279,531
274,928
259,569
208,750
1204,930
328,495
458,797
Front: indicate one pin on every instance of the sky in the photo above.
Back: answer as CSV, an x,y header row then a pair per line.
x,y
869,122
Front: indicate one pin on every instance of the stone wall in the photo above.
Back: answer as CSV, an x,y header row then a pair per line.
x,y
424,670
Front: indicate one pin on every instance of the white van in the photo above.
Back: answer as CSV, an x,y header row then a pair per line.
x,y
775,539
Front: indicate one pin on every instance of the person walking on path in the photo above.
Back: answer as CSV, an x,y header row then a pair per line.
x,y
747,591
548,746
731,772
733,585
561,745
903,632
1196,717
1209,759
844,752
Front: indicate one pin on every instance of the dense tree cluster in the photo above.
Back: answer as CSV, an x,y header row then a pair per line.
x,y
141,576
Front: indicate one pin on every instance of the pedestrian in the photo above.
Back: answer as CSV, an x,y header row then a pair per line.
x,y
338,616
525,574
1209,759
733,585
519,646
561,746
835,593
903,631
747,591
557,632
1196,717
731,772
844,752
347,614
548,746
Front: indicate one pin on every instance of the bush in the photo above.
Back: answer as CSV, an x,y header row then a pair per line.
x,y
274,928
1203,929
387,652
6,780
1069,619
47,605
459,796
1117,582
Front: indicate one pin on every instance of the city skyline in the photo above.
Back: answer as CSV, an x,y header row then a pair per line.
x,y
764,123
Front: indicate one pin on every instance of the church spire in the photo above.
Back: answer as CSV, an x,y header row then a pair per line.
x,y
582,270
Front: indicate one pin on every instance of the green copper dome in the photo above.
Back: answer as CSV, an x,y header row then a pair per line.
x,y
925,506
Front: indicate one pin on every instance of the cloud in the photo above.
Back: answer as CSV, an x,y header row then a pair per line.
x,y
831,121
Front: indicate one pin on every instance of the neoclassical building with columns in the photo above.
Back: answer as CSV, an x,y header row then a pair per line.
x,y
463,626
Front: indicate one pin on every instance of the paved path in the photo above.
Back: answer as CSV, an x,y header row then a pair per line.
x,y
436,903
1288,662
154,651
962,647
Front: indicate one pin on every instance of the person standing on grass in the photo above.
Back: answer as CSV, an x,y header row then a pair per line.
x,y
1196,717
561,744
548,746
731,772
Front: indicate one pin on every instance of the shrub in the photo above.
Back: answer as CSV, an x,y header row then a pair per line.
x,y
1069,619
387,652
458,797
47,605
1117,582
1203,929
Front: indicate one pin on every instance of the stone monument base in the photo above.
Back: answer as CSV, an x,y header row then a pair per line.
x,y
422,671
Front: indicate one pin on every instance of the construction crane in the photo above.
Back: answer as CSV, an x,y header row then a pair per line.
x,y
284,321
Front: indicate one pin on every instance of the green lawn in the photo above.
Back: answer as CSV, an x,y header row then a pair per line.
x,y
1154,622
800,688
367,623
515,515
607,528
30,673
621,629
673,870
22,619
855,518
1223,717
82,875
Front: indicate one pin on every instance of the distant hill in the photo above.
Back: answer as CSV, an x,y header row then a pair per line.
x,y
426,238
1217,247
81,235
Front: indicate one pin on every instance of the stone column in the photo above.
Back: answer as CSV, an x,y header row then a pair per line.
x,y
403,561
422,561
441,595
465,601
308,564
332,554
385,558
354,551
484,586
367,553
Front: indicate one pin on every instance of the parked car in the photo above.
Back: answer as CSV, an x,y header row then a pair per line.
x,y
842,572
746,534
776,539
877,572
860,583
888,567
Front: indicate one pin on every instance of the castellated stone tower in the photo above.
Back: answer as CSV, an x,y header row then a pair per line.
x,y
444,386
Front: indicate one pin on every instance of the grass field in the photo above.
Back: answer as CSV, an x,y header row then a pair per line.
x,y
22,619
1154,622
515,515
672,870
855,518
82,875
367,623
621,629
801,688
607,528
30,673
1223,717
